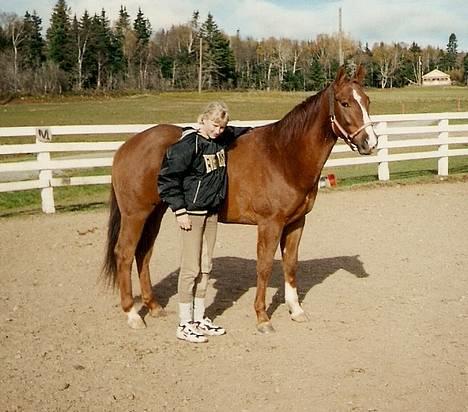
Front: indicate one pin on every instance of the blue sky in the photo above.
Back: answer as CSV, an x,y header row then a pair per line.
x,y
427,22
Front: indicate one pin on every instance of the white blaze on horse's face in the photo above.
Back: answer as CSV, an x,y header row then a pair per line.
x,y
371,136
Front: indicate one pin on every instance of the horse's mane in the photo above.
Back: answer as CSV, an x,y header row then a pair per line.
x,y
291,126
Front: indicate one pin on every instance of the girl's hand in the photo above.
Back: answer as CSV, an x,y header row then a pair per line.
x,y
184,222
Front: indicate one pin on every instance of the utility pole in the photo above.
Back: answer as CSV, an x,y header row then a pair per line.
x,y
200,66
340,39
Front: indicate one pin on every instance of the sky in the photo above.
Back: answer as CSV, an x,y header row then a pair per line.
x,y
426,22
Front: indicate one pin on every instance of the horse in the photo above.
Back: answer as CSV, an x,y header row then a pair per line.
x,y
273,177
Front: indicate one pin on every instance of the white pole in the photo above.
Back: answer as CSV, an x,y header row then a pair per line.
x,y
340,39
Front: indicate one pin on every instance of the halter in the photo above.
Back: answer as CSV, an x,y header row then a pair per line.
x,y
347,137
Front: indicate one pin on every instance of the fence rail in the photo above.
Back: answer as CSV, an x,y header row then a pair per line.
x,y
441,131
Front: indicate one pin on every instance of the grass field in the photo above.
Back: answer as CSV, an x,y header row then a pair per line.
x,y
180,107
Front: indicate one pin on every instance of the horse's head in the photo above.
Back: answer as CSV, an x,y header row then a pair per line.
x,y
349,114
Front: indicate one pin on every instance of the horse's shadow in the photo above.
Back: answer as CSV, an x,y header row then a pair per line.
x,y
232,277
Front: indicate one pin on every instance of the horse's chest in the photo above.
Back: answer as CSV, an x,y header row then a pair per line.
x,y
305,206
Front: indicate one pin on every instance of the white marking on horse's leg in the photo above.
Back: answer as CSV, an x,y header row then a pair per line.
x,y
292,300
134,320
372,138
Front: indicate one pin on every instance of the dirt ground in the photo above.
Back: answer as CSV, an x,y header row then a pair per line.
x,y
383,276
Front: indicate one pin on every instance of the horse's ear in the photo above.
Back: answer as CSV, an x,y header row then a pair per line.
x,y
340,76
360,74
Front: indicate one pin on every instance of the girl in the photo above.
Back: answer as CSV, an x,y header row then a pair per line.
x,y
193,182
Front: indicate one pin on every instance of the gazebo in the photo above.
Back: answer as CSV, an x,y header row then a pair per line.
x,y
436,78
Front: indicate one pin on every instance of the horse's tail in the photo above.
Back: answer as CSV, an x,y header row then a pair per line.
x,y
109,268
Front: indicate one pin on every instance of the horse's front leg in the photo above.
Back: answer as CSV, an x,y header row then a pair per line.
x,y
268,238
290,239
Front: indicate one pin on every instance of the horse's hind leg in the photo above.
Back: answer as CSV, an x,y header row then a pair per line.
x,y
290,239
131,227
143,256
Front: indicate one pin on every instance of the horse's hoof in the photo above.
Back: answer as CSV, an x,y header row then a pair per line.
x,y
265,328
300,317
136,323
158,312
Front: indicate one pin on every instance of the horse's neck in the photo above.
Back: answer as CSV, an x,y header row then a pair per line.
x,y
314,145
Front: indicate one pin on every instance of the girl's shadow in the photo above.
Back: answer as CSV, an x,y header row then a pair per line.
x,y
234,276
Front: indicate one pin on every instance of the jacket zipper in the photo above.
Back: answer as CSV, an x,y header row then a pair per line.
x,y
196,193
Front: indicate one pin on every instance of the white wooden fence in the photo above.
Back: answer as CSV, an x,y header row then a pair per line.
x,y
434,135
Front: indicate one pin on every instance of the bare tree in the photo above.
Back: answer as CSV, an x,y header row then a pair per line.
x,y
15,29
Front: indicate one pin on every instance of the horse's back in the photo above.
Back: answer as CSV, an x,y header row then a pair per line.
x,y
137,163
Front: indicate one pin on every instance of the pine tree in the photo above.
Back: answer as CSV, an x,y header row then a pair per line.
x,y
122,32
451,55
32,48
218,56
60,41
316,77
4,39
142,29
100,50
81,32
465,68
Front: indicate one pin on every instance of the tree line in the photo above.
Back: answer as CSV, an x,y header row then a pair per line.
x,y
88,53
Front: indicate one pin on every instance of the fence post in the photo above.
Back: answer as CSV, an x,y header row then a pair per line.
x,y
45,175
384,170
442,163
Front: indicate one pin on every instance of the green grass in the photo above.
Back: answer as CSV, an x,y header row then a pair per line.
x,y
184,106
181,107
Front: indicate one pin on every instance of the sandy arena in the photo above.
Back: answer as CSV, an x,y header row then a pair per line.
x,y
383,275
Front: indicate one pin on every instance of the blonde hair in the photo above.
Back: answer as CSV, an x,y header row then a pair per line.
x,y
217,112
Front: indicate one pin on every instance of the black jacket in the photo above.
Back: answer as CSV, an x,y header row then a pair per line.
x,y
193,173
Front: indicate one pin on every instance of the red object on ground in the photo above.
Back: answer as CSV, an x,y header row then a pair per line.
x,y
332,180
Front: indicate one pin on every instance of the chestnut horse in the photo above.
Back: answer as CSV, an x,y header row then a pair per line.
x,y
273,175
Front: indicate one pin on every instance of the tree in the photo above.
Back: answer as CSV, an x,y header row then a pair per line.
x,y
451,55
415,61
142,29
59,38
315,79
387,59
16,33
81,32
218,56
33,47
120,55
100,48
465,68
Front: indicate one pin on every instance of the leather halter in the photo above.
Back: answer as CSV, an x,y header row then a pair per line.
x,y
347,137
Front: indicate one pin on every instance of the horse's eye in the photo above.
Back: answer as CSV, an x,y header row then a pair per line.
x,y
345,104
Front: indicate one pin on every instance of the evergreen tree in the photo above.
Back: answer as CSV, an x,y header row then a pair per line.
x,y
123,23
218,56
121,32
316,76
81,32
32,47
465,68
59,37
451,55
4,39
100,48
142,29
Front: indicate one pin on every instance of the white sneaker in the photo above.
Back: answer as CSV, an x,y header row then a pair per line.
x,y
207,327
189,332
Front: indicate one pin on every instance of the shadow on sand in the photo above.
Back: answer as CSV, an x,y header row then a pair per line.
x,y
232,277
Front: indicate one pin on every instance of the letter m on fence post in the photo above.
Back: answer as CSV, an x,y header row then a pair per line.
x,y
44,135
